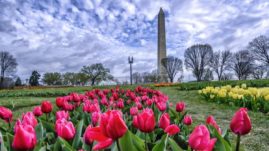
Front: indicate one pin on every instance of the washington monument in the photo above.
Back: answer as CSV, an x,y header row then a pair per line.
x,y
161,44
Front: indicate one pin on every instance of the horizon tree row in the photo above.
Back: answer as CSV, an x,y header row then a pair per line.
x,y
250,62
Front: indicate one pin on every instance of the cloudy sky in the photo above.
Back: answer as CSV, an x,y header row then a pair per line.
x,y
64,35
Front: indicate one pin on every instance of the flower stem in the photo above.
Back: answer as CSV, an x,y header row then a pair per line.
x,y
118,145
237,143
146,145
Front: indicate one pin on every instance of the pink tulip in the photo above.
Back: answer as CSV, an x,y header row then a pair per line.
x,y
241,123
200,139
29,119
133,110
24,138
5,114
187,120
146,121
161,106
65,129
164,121
62,115
95,118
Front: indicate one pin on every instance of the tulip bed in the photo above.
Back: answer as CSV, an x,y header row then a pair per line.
x,y
256,99
117,119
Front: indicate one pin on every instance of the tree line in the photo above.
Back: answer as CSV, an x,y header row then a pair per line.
x,y
250,62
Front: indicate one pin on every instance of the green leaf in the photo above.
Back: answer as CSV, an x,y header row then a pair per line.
x,y
39,129
2,143
137,142
48,126
174,146
161,145
221,144
64,145
77,139
126,142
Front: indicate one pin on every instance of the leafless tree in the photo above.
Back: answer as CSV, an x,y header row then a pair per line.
x,y
259,48
198,58
137,78
8,64
172,66
221,62
242,64
259,72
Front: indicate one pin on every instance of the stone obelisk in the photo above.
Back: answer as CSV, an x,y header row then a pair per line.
x,y
161,44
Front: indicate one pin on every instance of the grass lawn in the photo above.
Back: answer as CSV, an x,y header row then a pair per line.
x,y
197,107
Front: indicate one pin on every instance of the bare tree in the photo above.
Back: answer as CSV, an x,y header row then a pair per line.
x,y
259,48
8,64
221,62
172,66
242,64
197,58
137,78
259,72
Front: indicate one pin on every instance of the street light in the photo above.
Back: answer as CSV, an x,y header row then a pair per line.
x,y
131,61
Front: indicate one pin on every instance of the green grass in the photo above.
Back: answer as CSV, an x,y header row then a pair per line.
x,y
196,106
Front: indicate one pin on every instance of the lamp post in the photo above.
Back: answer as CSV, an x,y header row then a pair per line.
x,y
131,61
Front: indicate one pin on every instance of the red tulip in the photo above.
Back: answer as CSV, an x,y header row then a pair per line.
x,y
46,107
60,101
120,104
37,111
180,106
24,138
87,135
187,120
172,129
5,114
67,106
95,133
164,121
29,119
65,129
200,139
62,115
112,124
133,110
241,123
146,121
211,121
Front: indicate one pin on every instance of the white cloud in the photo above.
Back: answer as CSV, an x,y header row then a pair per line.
x,y
63,37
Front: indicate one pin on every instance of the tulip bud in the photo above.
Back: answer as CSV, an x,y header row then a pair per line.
x,y
37,111
161,106
87,136
24,138
5,114
180,106
65,129
200,139
241,123
164,121
46,107
187,120
172,129
211,121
